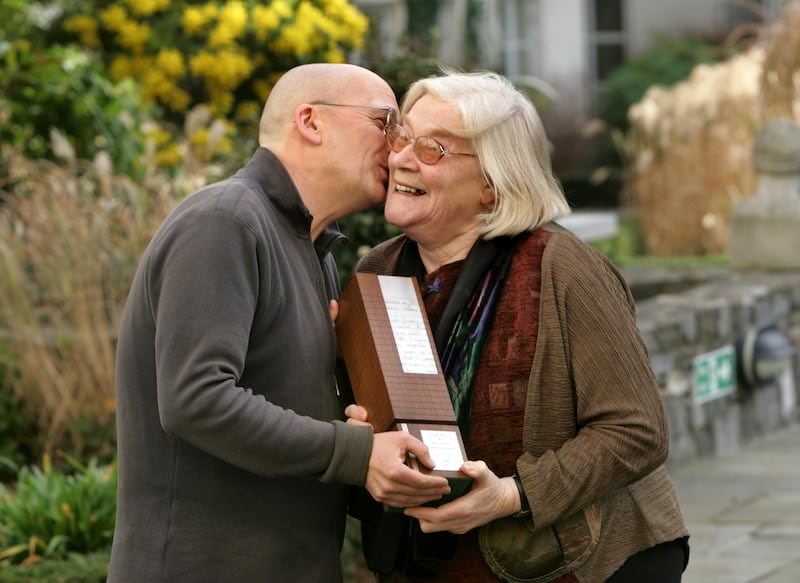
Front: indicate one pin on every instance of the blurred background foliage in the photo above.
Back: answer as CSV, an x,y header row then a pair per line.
x,y
62,87
667,62
54,514
687,151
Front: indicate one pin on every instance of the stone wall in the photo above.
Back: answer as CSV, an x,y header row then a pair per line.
x,y
697,313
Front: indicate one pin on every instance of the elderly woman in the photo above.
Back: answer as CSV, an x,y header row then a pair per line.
x,y
536,332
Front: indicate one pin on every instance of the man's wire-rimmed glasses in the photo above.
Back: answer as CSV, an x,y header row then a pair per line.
x,y
389,119
427,149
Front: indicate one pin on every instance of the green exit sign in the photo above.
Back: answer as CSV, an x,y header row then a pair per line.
x,y
714,374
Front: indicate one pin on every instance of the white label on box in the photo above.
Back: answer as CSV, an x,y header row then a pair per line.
x,y
444,449
408,327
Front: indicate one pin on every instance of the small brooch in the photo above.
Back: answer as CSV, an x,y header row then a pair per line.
x,y
432,288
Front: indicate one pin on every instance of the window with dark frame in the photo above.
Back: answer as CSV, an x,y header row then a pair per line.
x,y
607,38
521,23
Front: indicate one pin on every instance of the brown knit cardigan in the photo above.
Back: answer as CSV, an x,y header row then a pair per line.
x,y
595,428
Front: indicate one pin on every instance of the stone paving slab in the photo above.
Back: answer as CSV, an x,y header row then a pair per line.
x,y
743,512
720,569
770,507
788,574
707,537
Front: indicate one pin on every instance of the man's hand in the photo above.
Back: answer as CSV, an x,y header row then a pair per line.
x,y
357,415
489,498
391,481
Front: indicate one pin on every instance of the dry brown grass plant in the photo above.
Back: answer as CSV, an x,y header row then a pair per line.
x,y
689,148
70,238
780,76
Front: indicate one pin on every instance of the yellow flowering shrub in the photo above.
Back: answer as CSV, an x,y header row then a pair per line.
x,y
224,54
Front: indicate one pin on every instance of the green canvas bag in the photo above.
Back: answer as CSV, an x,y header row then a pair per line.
x,y
519,553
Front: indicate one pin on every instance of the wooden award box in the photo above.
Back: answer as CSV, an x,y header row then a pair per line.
x,y
386,342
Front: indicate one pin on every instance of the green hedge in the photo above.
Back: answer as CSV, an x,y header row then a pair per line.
x,y
75,568
51,514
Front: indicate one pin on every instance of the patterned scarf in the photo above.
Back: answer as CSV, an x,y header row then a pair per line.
x,y
462,331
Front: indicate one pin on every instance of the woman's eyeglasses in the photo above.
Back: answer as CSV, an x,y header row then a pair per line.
x,y
389,118
426,149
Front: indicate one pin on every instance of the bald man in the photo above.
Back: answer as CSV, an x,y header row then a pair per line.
x,y
233,458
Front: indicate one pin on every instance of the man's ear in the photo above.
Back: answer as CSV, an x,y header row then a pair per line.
x,y
306,122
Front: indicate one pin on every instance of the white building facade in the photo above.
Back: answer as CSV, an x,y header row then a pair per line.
x,y
572,45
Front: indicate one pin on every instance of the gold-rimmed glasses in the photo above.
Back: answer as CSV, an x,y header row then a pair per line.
x,y
427,149
389,118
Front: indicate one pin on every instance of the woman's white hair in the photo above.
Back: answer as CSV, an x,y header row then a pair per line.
x,y
509,140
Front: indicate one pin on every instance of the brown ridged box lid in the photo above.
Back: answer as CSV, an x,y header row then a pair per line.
x,y
387,345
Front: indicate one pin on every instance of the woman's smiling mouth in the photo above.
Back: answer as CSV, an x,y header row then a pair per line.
x,y
409,189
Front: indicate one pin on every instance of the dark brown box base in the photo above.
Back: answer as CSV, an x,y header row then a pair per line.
x,y
459,483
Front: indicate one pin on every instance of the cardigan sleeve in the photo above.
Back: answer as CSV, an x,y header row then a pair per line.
x,y
594,418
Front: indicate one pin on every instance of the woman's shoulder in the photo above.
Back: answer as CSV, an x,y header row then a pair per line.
x,y
564,245
382,257
571,263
